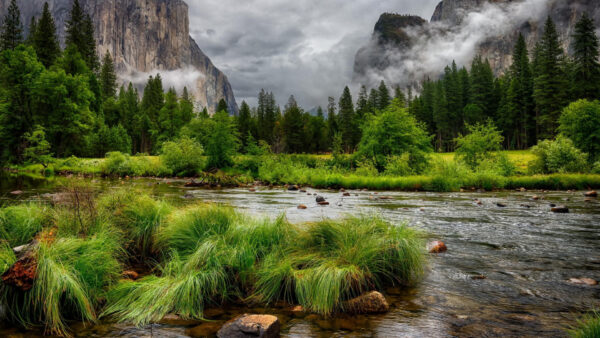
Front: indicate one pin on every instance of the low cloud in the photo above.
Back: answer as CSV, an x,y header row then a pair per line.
x,y
178,79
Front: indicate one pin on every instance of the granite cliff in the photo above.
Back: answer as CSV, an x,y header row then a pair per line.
x,y
145,37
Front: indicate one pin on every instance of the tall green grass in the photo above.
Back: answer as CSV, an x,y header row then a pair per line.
x,y
20,223
332,261
588,327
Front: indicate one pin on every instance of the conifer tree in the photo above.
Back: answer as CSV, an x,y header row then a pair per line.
x,y
244,123
362,104
293,127
347,121
32,30
186,106
383,96
45,40
332,125
482,89
550,82
12,28
222,106
520,98
586,74
108,77
399,96
80,34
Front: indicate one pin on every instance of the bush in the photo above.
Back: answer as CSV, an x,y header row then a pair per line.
x,y
183,157
398,166
559,156
116,163
222,143
394,132
479,144
580,122
589,327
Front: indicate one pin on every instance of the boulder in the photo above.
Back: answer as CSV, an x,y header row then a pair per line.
x,y
501,205
302,207
323,203
293,188
320,199
437,247
248,325
346,194
560,209
535,198
591,194
371,302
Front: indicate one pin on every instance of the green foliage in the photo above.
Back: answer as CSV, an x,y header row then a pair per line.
x,y
293,127
45,39
38,149
479,144
398,165
559,156
20,223
7,257
580,122
586,76
394,132
222,143
588,327
108,77
183,157
120,164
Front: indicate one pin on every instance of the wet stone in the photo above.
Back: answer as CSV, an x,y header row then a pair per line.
x,y
437,247
372,302
247,325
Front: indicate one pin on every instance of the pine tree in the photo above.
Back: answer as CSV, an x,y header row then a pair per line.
x,y
293,127
347,121
45,40
186,106
147,120
362,104
89,46
222,106
399,96
80,34
520,98
12,29
244,123
482,89
32,30
108,77
550,82
586,80
383,96
332,125
169,121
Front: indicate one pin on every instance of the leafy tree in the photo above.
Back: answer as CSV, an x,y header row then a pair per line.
x,y
550,81
394,132
293,127
479,144
580,122
45,40
585,54
347,121
222,142
37,148
11,34
111,139
108,77
183,157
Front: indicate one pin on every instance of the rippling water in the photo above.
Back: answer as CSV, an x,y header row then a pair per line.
x,y
525,252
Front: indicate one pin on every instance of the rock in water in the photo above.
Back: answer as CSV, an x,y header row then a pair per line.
x,y
320,199
437,247
591,194
302,207
372,302
560,210
263,326
323,203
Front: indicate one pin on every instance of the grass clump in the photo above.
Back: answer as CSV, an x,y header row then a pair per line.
x,y
330,262
20,223
588,327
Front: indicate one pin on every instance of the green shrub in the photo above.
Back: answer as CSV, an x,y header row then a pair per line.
x,y
580,122
479,145
588,327
596,168
398,165
183,157
559,156
7,257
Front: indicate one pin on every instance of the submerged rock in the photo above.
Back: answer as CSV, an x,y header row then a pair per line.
x,y
560,209
437,247
583,281
247,325
591,194
372,302
346,194
501,205
208,329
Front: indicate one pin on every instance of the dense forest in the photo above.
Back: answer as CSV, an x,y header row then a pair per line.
x,y
65,102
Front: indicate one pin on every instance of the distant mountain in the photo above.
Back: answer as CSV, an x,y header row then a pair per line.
x,y
145,37
399,52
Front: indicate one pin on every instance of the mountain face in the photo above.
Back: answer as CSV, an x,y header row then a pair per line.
x,y
145,37
454,27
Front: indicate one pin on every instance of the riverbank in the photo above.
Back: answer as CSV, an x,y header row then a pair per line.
x,y
128,257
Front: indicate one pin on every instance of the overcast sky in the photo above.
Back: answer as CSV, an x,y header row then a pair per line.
x,y
304,47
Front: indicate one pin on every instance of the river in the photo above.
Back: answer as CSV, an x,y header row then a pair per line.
x,y
505,273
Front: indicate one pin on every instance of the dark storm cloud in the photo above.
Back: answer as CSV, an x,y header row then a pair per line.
x,y
305,48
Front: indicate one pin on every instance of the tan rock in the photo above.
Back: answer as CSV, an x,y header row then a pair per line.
x,y
372,302
249,325
437,247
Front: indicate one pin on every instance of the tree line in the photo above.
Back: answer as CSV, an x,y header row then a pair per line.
x,y
68,101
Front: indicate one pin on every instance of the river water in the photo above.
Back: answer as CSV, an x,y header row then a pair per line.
x,y
526,253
